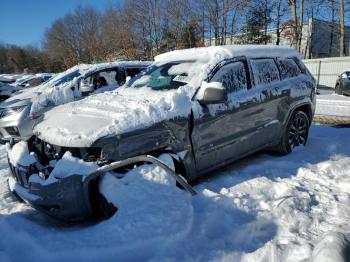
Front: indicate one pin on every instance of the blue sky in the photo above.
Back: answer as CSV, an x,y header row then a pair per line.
x,y
23,22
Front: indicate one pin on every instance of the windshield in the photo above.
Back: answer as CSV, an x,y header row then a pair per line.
x,y
66,78
167,76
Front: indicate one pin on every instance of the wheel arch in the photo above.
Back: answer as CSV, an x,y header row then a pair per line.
x,y
306,108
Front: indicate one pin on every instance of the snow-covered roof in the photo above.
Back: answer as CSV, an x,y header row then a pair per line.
x,y
228,51
87,68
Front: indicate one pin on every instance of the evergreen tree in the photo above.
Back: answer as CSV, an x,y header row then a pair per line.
x,y
191,35
254,28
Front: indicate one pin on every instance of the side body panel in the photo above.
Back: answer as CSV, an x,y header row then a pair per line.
x,y
257,121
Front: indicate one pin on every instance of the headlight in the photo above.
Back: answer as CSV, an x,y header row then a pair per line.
x,y
11,111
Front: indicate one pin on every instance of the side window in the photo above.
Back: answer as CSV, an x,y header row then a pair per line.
x,y
233,77
288,68
265,71
101,78
109,76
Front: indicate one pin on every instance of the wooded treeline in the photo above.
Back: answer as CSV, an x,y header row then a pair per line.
x,y
141,29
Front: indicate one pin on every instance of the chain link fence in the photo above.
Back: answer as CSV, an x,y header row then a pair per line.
x,y
327,70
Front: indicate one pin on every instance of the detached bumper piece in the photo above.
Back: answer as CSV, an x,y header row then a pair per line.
x,y
76,197
67,199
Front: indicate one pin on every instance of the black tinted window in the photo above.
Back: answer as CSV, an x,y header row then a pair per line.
x,y
288,68
133,71
232,76
265,71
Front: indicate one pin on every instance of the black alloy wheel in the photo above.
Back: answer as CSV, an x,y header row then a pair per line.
x,y
298,130
295,134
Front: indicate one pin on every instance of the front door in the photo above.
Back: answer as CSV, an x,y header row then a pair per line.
x,y
222,133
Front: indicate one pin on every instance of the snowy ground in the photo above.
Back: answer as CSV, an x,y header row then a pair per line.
x,y
264,208
333,105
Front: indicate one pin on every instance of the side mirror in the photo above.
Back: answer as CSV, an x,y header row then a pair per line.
x,y
212,93
128,79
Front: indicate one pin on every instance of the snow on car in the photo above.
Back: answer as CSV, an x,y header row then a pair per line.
x,y
263,208
18,112
26,81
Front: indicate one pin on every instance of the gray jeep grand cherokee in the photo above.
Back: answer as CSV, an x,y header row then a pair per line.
x,y
205,107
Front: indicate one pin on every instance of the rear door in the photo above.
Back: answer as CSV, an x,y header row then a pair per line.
x,y
271,95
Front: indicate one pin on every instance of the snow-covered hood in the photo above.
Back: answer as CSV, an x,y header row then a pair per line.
x,y
81,123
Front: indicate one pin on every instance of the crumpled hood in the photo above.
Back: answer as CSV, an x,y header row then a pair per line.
x,y
81,123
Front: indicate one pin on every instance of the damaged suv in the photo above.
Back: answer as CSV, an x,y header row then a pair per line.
x,y
203,107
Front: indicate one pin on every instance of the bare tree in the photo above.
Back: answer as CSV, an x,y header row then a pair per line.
x,y
341,30
301,23
332,6
75,37
280,8
293,8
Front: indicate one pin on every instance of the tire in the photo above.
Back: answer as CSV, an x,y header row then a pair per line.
x,y
295,133
337,89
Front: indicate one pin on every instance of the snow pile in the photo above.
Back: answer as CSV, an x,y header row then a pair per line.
x,y
69,165
19,155
66,166
332,247
81,123
264,208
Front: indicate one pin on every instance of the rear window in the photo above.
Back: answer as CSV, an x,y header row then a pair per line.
x,y
265,71
288,68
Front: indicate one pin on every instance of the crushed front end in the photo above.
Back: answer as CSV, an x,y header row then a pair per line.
x,y
64,182
67,198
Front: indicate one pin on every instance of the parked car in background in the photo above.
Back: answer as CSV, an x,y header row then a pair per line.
x,y
33,80
17,114
342,85
9,78
204,108
7,90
